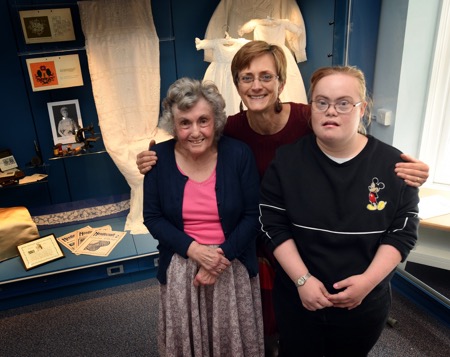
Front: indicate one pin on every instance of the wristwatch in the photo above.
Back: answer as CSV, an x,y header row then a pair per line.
x,y
302,280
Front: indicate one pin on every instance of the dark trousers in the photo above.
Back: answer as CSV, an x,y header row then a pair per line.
x,y
330,332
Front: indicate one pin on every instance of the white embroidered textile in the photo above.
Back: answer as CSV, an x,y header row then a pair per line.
x,y
122,47
219,70
230,15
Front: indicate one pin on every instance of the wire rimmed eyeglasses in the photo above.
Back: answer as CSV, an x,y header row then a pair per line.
x,y
265,78
342,107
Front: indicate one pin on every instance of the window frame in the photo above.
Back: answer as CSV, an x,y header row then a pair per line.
x,y
436,126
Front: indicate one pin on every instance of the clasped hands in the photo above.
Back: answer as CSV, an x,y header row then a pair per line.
x,y
354,289
212,263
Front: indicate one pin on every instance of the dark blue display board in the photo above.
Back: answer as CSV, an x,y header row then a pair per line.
x,y
24,115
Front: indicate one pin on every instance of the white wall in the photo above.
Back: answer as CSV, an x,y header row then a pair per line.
x,y
403,67
405,50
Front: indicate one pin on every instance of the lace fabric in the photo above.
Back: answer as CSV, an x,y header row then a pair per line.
x,y
122,47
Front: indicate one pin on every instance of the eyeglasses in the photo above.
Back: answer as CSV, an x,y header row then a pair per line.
x,y
342,107
265,78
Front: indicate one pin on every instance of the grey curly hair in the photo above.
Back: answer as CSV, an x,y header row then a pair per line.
x,y
184,93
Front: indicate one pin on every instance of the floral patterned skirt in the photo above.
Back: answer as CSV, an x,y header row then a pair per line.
x,y
219,320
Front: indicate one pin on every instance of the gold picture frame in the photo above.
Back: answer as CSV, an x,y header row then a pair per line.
x,y
40,251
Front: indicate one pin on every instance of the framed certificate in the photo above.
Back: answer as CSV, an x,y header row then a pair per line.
x,y
40,251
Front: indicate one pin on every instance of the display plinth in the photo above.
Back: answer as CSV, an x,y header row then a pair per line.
x,y
134,254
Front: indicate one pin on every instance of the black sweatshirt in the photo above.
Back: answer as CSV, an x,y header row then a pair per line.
x,y
338,214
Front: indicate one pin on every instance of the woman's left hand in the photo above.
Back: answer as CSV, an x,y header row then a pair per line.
x,y
414,172
203,277
355,290
210,259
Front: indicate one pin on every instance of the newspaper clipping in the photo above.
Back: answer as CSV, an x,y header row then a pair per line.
x,y
92,241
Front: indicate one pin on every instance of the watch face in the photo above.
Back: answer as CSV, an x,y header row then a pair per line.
x,y
302,280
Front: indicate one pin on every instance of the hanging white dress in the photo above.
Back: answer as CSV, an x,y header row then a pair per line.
x,y
235,13
274,32
122,48
219,70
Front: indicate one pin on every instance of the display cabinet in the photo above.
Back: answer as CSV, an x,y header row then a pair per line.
x,y
135,254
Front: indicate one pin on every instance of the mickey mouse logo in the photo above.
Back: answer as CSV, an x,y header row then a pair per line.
x,y
375,187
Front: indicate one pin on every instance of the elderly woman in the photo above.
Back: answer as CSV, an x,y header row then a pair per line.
x,y
200,203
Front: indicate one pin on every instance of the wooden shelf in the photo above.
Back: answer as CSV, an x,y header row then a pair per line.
x,y
433,257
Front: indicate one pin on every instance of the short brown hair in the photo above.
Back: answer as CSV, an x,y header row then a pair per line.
x,y
254,49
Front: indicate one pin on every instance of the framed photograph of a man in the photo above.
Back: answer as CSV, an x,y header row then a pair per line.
x,y
65,120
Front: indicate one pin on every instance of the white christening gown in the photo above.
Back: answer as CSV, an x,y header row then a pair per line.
x,y
235,13
219,70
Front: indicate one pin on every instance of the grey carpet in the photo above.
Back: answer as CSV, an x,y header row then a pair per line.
x,y
122,321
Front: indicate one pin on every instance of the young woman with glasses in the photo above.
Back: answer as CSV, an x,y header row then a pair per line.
x,y
339,221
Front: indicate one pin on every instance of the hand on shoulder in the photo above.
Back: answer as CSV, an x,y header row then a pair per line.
x,y
146,159
413,171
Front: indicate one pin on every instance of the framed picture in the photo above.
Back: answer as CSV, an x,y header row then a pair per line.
x,y
40,251
47,25
7,161
54,72
65,120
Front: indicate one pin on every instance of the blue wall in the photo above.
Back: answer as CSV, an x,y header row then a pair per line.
x,y
25,119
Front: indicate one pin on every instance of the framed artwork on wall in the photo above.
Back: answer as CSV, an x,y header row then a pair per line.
x,y
54,72
65,120
47,25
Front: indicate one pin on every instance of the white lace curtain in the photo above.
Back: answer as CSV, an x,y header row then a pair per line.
x,y
123,55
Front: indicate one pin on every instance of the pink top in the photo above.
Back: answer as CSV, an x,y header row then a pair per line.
x,y
200,213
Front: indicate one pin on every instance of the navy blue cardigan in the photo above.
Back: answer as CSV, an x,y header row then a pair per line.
x,y
237,191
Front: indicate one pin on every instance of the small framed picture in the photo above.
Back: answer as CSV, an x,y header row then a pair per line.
x,y
65,120
40,251
47,25
7,161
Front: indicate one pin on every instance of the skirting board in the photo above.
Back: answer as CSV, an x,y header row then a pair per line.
x,y
426,298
